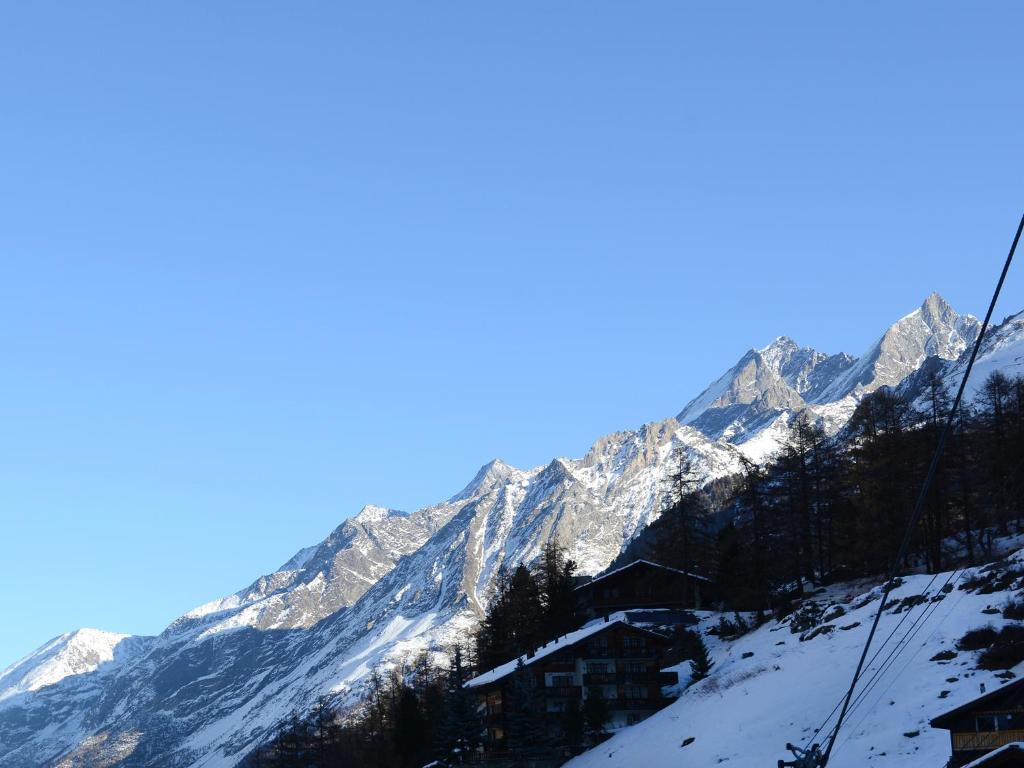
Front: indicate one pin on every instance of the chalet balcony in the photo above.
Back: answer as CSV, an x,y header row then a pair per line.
x,y
620,653
629,678
966,742
649,705
563,692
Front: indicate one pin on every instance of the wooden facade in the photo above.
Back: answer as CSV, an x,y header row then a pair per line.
x,y
642,584
993,720
617,661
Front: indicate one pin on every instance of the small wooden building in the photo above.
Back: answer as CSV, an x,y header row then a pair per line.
x,y
642,584
612,659
989,722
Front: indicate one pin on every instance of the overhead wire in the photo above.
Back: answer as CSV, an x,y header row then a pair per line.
x,y
922,498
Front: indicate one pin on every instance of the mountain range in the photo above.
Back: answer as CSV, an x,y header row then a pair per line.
x,y
388,584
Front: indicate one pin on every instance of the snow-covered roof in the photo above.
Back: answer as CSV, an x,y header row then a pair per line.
x,y
942,721
592,628
1013,747
645,562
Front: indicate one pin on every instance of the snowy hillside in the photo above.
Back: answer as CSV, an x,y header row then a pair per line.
x,y
386,584
772,685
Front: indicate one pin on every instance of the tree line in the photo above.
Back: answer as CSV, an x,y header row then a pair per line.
x,y
826,509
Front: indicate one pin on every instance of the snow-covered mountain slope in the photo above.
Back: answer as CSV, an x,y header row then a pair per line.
x,y
1001,350
751,404
220,678
780,377
386,584
324,578
772,685
73,653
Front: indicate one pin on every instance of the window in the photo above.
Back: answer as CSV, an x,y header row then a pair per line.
x,y
634,666
556,706
985,723
609,692
1009,723
635,643
597,667
635,692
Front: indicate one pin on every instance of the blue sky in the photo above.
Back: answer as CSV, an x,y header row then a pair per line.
x,y
263,263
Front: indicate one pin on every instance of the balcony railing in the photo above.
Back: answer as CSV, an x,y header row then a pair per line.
x,y
648,704
629,678
963,742
620,653
563,692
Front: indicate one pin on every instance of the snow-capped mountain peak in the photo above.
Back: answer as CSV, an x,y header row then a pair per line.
x,y
933,329
73,653
491,475
752,402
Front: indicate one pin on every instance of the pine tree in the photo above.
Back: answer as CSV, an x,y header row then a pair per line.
x,y
700,664
410,733
460,725
555,578
514,621
595,714
573,726
526,736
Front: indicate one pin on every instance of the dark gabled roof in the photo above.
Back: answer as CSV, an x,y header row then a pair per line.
x,y
590,629
946,717
644,562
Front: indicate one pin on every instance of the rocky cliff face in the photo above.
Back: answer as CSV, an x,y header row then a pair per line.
x,y
387,584
752,402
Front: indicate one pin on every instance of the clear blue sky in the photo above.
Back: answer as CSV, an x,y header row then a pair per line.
x,y
263,263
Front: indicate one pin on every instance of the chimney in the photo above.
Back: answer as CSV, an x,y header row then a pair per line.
x,y
982,687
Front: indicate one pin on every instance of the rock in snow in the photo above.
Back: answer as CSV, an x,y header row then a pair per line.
x,y
387,584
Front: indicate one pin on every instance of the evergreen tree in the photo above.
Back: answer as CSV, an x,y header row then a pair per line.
x,y
555,575
573,726
410,733
595,714
700,664
460,725
514,621
526,735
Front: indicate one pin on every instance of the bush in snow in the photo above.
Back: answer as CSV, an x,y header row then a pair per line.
x,y
976,639
806,617
1006,651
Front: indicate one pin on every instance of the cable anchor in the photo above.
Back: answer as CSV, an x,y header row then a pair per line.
x,y
804,758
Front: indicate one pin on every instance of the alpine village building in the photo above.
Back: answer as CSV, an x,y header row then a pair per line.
x,y
642,584
616,655
987,732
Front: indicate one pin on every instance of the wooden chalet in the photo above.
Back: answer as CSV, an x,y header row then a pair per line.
x,y
642,584
985,730
613,659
